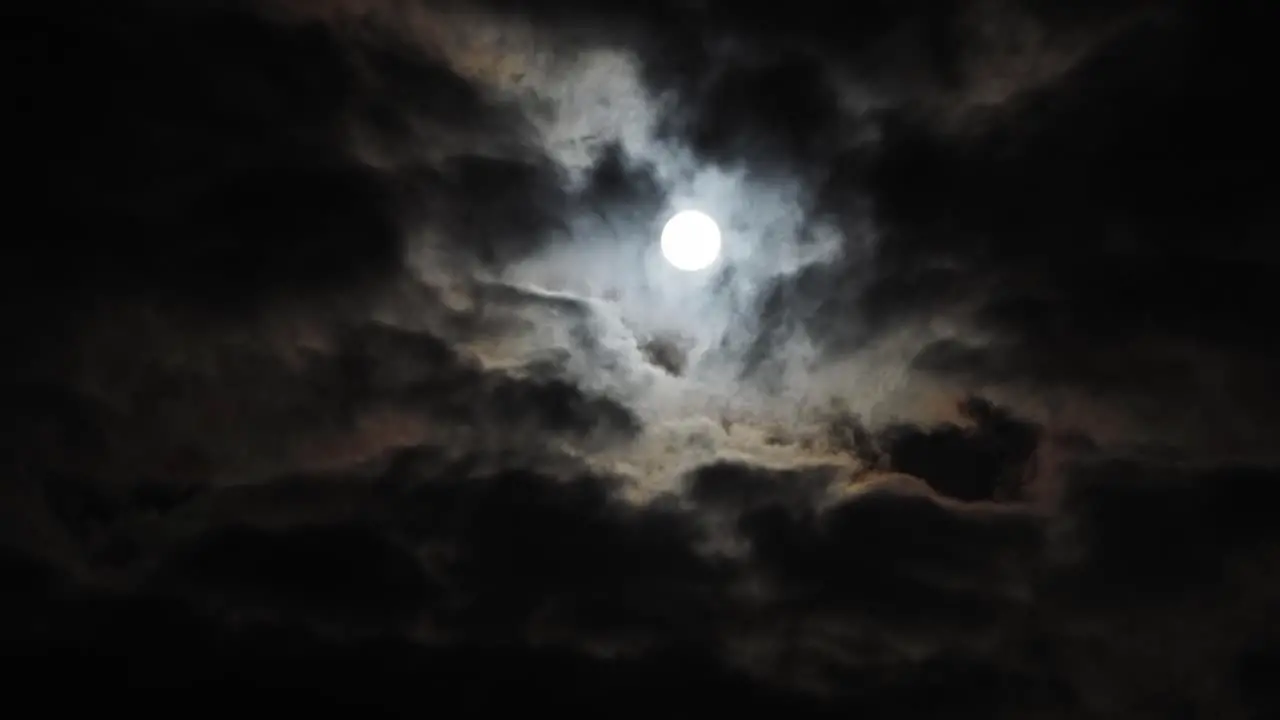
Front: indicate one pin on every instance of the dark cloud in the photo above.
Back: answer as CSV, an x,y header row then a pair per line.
x,y
884,599
341,370
1255,665
877,597
1191,522
738,487
783,109
990,461
149,146
349,576
210,157
888,548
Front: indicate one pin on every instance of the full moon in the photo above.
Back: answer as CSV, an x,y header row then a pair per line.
x,y
690,241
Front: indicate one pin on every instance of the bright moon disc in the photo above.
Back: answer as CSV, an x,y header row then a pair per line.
x,y
690,241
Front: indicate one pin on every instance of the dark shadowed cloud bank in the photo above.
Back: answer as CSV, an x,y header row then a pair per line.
x,y
342,371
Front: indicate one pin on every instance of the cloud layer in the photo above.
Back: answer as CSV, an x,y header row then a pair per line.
x,y
342,361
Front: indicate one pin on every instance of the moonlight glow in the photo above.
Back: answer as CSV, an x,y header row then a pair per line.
x,y
690,241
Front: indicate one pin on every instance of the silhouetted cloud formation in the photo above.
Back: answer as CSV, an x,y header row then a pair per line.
x,y
342,371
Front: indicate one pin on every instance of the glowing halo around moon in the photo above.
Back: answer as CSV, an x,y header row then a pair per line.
x,y
690,241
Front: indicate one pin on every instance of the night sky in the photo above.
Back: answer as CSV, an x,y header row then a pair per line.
x,y
342,374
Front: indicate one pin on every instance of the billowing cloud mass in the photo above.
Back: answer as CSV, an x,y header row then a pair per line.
x,y
342,369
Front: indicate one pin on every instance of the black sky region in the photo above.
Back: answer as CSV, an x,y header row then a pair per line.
x,y
306,408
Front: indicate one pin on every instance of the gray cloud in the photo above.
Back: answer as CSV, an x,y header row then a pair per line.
x,y
341,329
